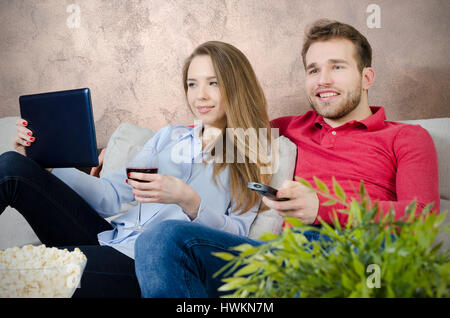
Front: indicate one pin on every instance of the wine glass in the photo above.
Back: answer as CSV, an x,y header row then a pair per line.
x,y
146,161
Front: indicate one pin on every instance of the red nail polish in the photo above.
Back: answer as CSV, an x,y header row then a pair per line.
x,y
28,133
32,138
24,123
28,143
126,181
129,174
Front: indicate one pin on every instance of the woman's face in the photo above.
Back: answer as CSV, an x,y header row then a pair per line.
x,y
203,92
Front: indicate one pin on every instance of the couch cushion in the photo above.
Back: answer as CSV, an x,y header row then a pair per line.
x,y
7,133
442,236
271,221
14,229
126,141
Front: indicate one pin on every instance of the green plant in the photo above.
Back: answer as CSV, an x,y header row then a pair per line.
x,y
366,258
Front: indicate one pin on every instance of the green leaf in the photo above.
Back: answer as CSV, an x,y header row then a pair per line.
x,y
249,251
232,283
355,211
268,236
362,189
338,190
349,221
304,182
329,202
321,186
358,266
346,281
249,269
410,211
336,222
224,255
293,221
388,217
242,247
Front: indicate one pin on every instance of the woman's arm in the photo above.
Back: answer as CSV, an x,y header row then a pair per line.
x,y
105,195
231,222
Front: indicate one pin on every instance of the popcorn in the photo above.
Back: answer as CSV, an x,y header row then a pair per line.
x,y
40,271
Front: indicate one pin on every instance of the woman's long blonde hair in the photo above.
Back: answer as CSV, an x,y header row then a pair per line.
x,y
245,107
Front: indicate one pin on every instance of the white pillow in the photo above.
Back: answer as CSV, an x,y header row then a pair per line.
x,y
126,141
14,229
270,221
7,133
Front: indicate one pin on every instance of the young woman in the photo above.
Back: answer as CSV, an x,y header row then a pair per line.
x,y
66,207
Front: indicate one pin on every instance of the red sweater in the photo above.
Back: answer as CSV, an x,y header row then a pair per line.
x,y
398,162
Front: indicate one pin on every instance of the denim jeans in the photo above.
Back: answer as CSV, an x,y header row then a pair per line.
x,y
173,258
61,218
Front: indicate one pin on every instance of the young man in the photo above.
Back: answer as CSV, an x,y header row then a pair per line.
x,y
342,137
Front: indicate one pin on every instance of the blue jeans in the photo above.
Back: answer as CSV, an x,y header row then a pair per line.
x,y
173,258
61,218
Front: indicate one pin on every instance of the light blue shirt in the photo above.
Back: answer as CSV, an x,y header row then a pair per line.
x,y
180,155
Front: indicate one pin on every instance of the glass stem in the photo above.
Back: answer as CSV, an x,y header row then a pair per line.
x,y
139,215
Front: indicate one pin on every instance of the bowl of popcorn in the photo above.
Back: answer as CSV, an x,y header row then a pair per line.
x,y
40,271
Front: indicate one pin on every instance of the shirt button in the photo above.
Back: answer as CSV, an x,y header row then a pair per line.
x,y
333,133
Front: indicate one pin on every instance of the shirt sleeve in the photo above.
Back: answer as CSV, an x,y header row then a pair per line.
x,y
106,194
231,222
417,172
417,177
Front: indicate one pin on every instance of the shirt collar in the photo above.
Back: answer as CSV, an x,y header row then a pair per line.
x,y
319,122
376,121
192,131
196,131
372,123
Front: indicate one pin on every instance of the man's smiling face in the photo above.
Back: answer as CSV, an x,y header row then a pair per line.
x,y
333,80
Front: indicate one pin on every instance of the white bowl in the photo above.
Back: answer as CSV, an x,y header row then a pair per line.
x,y
35,274
54,282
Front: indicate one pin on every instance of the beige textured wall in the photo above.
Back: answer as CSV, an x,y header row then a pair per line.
x,y
130,53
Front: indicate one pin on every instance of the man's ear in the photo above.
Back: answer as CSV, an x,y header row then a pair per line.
x,y
368,76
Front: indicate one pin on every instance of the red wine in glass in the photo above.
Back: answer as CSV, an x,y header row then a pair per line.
x,y
138,227
141,170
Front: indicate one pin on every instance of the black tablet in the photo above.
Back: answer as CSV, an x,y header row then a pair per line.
x,y
63,125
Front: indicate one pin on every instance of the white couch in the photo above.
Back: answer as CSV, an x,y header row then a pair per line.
x,y
128,139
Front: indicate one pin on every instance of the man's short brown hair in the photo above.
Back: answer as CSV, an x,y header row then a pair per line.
x,y
324,29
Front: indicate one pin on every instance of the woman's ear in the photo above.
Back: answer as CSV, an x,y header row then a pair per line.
x,y
368,76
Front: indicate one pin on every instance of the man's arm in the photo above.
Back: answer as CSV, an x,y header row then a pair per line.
x,y
417,175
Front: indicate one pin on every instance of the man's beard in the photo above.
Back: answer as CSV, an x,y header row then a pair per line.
x,y
346,106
